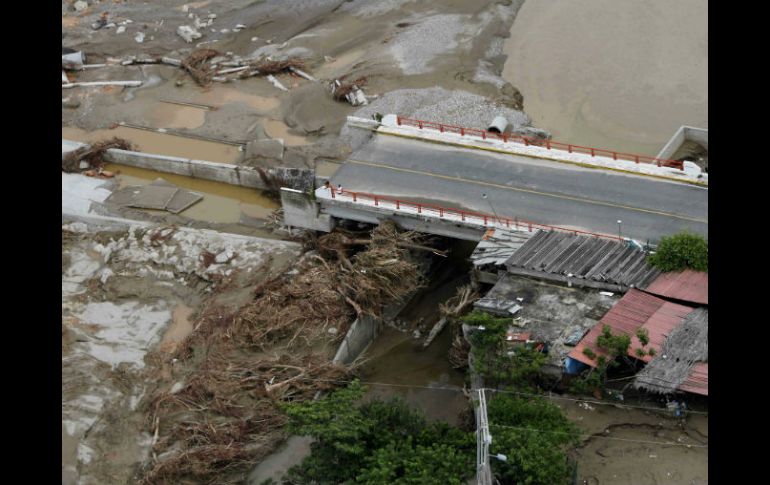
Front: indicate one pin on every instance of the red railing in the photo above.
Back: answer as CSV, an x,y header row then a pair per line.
x,y
548,144
466,216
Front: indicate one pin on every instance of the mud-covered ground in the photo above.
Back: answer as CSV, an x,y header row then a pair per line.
x,y
446,54
129,296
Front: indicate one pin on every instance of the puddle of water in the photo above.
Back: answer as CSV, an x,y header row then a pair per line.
x,y
168,115
218,95
609,74
179,329
221,202
160,143
278,129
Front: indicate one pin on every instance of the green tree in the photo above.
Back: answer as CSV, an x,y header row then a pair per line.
x,y
681,251
377,442
492,361
535,437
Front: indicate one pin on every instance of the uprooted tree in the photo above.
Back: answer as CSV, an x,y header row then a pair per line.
x,y
239,367
92,156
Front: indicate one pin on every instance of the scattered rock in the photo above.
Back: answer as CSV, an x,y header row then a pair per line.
x,y
80,5
188,33
120,29
139,37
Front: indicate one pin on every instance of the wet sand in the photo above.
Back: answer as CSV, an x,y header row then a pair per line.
x,y
621,75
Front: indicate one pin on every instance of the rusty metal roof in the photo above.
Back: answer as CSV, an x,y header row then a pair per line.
x,y
697,381
636,309
687,285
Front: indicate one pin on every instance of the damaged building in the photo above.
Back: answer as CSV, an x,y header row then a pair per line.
x,y
561,289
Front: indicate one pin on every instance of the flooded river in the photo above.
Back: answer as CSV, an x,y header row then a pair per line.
x,y
617,74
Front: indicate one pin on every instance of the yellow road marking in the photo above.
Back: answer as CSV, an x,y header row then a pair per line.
x,y
528,191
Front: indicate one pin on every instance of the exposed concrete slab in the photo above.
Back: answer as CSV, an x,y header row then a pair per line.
x,y
158,195
182,200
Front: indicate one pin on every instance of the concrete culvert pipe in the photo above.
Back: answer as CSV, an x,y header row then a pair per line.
x,y
498,125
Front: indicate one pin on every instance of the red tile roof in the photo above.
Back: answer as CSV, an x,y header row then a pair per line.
x,y
687,285
636,309
698,380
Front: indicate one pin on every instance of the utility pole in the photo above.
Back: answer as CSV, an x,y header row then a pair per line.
x,y
619,223
483,440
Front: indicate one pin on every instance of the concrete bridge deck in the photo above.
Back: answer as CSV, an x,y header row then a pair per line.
x,y
526,188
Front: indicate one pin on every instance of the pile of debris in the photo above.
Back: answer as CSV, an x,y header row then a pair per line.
x,y
350,91
89,159
203,65
224,415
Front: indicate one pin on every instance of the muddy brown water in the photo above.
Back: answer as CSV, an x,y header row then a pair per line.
x,y
628,450
221,202
160,143
622,75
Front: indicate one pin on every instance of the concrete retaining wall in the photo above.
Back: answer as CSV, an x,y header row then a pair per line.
x,y
362,333
698,135
202,169
299,210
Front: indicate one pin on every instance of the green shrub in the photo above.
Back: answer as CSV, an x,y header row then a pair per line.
x,y
681,251
535,437
643,335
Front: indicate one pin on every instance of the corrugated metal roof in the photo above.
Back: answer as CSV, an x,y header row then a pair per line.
x,y
698,380
636,309
687,285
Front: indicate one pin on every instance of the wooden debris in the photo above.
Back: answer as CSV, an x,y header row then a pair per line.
x,y
102,83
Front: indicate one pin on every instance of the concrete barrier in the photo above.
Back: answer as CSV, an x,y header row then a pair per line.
x,y
202,169
390,126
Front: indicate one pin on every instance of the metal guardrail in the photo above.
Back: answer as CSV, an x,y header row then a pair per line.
x,y
459,215
548,144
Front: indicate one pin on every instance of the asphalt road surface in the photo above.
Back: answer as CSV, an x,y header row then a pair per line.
x,y
526,188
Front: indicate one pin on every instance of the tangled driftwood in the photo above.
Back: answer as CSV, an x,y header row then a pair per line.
x,y
226,416
92,155
197,64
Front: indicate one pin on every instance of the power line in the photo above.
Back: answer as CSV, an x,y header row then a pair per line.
x,y
459,389
550,396
661,443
